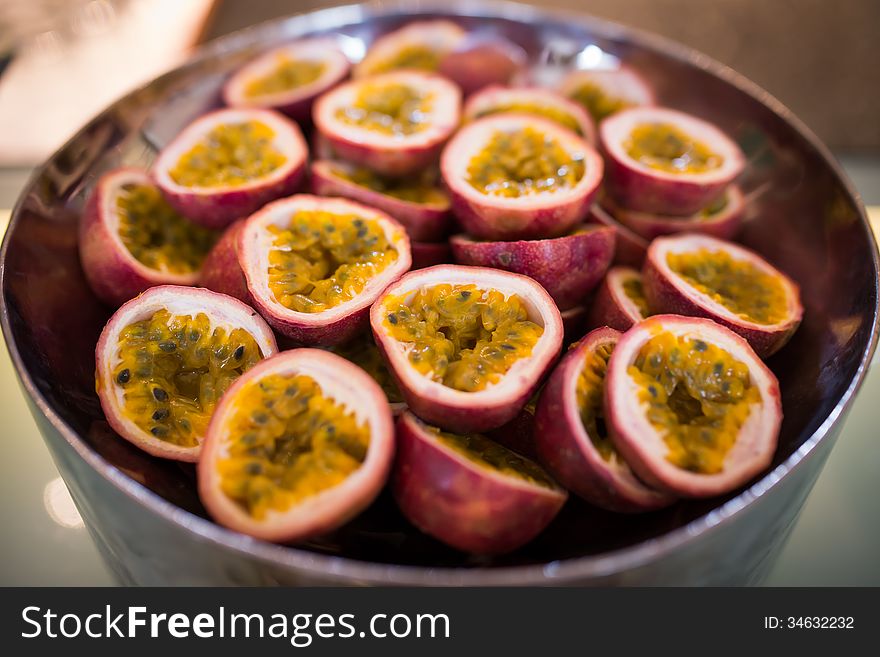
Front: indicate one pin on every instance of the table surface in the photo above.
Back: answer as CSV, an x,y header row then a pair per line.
x,y
836,540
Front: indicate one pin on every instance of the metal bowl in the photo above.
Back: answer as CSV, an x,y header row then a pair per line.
x,y
143,513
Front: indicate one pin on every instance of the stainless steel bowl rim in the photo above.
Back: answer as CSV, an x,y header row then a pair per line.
x,y
353,571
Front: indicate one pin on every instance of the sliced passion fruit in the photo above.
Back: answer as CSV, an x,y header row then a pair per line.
x,y
631,248
620,301
603,92
166,357
466,345
315,265
394,124
468,491
531,100
363,352
664,161
568,267
130,239
419,46
706,277
221,271
690,406
298,446
723,218
571,437
481,60
228,163
417,202
519,176
289,78
428,254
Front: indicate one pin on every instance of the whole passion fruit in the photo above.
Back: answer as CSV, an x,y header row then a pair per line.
x,y
221,271
468,491
482,59
620,301
568,267
723,218
631,247
315,265
228,163
531,100
297,447
395,124
419,46
466,345
428,254
571,436
690,406
417,202
664,161
603,92
519,176
130,239
706,277
289,78
166,357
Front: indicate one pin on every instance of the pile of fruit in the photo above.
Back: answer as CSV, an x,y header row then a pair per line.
x,y
462,226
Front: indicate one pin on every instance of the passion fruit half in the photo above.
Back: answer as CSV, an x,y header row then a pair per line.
x,y
394,124
166,357
289,78
603,92
418,46
531,100
664,161
519,176
723,218
417,202
315,265
568,267
690,406
297,447
620,301
468,491
571,436
466,345
228,163
706,277
130,239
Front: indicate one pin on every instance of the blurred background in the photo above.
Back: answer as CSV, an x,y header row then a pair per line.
x,y
62,61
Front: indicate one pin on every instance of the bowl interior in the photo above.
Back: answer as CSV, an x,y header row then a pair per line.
x,y
803,218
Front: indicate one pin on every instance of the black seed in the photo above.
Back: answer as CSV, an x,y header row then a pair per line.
x,y
699,345
249,439
161,414
465,295
194,336
184,424
718,369
259,417
361,232
238,354
159,431
123,377
159,394
358,223
254,468
392,318
653,391
167,346
510,347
